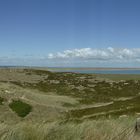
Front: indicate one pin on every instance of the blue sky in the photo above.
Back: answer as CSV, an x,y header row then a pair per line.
x,y
70,33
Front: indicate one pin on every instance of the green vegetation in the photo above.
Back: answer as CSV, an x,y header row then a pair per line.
x,y
1,100
116,108
36,71
67,106
118,77
87,130
89,89
22,109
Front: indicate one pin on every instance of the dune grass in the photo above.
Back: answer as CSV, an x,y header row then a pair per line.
x,y
68,106
88,89
87,130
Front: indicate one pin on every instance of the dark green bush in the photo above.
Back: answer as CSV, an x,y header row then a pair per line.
x,y
22,109
1,100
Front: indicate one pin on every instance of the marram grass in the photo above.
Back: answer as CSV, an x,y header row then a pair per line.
x,y
87,130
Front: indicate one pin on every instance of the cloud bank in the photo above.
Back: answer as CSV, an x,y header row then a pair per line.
x,y
84,57
107,54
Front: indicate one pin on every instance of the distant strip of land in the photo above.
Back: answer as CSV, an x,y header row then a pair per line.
x,y
90,68
72,68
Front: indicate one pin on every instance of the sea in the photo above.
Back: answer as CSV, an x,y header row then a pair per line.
x,y
84,71
131,71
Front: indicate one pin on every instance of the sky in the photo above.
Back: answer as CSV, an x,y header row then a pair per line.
x,y
70,33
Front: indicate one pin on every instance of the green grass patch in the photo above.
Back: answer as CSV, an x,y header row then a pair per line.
x,y
22,109
1,100
36,71
118,77
127,107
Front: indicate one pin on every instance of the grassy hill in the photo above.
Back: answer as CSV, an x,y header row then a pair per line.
x,y
38,104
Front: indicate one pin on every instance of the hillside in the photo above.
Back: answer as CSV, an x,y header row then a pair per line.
x,y
52,102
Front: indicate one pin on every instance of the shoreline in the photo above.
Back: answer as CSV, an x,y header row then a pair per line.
x,y
86,68
69,68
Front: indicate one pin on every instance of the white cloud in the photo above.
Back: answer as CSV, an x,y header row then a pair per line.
x,y
111,49
90,57
107,54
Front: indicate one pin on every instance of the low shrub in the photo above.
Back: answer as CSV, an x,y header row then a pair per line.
x,y
22,109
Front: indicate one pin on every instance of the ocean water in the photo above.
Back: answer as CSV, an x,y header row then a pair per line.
x,y
102,71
